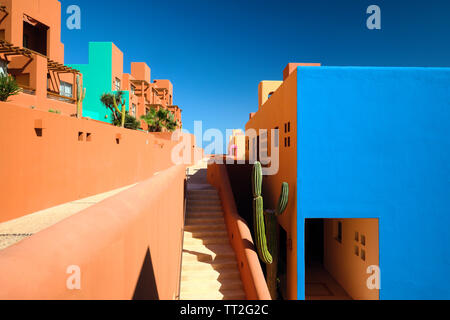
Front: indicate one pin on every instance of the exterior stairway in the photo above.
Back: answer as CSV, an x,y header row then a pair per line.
x,y
209,268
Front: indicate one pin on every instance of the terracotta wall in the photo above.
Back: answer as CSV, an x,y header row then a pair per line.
x,y
240,237
126,247
38,172
280,109
341,260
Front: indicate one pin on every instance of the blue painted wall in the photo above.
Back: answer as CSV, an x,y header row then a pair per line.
x,y
375,143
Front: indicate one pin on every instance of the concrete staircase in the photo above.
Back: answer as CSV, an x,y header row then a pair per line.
x,y
209,267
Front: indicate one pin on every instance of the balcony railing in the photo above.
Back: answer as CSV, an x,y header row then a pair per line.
x,y
58,97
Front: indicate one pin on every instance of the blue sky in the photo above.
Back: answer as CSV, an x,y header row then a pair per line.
x,y
216,52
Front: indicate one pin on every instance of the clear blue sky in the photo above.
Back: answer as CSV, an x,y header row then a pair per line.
x,y
216,52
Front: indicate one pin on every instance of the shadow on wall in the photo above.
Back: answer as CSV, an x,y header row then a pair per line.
x,y
146,288
240,176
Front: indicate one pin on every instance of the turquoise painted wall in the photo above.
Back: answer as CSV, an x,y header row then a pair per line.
x,y
375,143
97,79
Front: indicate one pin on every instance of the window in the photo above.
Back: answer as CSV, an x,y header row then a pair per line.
x,y
133,110
65,89
133,89
339,232
117,84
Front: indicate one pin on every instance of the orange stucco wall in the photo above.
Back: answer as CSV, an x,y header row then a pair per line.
x,y
128,246
349,269
240,237
44,171
280,109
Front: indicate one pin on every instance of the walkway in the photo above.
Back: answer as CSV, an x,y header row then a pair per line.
x,y
18,229
209,267
320,285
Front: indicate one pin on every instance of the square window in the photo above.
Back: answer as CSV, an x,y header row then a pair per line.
x,y
339,232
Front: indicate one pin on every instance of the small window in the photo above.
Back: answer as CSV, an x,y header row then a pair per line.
x,y
65,89
363,240
356,236
133,89
133,110
339,232
117,84
288,127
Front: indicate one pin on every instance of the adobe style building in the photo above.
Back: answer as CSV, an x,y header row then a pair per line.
x,y
32,52
365,152
104,73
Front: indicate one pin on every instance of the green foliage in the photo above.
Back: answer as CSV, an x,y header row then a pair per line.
x,y
112,101
8,87
54,111
130,122
266,227
157,120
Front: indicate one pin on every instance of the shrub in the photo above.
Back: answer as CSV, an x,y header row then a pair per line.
x,y
8,87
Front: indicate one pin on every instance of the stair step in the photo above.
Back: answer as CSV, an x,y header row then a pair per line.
x,y
202,214
208,253
207,201
220,295
199,266
203,197
204,208
197,286
229,274
204,220
211,240
206,234
202,227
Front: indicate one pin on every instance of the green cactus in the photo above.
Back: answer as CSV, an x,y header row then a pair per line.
x,y
81,94
266,227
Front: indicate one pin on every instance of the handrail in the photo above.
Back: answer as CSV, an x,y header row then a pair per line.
x,y
252,276
61,97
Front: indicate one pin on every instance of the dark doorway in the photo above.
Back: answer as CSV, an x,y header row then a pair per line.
x,y
314,241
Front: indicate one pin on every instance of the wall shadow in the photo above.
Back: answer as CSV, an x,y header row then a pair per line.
x,y
146,288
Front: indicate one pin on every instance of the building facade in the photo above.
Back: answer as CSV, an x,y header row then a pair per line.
x,y
104,73
32,52
365,152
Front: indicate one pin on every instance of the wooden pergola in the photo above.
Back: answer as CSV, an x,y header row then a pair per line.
x,y
9,49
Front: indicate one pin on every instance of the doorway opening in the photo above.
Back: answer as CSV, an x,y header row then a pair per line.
x,y
338,253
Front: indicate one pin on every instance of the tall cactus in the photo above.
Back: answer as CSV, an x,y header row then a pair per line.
x,y
266,227
81,94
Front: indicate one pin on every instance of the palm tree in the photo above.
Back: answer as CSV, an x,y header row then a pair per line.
x,y
157,120
111,101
